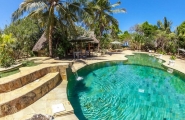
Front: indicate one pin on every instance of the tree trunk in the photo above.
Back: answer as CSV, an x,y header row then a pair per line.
x,y
51,17
101,33
50,41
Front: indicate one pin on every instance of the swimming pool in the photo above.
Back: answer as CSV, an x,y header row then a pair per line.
x,y
137,89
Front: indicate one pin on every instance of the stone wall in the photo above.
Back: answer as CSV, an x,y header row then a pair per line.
x,y
21,102
26,78
29,76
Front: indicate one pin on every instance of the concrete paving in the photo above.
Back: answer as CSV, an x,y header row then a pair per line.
x,y
44,105
58,95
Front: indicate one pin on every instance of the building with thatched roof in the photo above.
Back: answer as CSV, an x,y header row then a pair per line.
x,y
40,45
93,36
89,36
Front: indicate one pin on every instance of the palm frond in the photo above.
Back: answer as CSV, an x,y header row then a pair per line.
x,y
36,13
111,20
121,10
61,8
28,6
116,4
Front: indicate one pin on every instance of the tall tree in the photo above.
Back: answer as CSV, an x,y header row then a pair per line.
x,y
125,36
27,32
50,12
165,26
181,35
103,21
102,11
148,29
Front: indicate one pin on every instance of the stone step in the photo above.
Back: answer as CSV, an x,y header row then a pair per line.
x,y
29,75
20,98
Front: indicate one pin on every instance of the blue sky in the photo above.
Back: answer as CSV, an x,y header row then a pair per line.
x,y
138,11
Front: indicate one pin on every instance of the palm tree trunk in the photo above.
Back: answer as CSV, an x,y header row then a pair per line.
x,y
51,17
101,33
50,41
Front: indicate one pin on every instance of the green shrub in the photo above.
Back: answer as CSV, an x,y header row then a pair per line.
x,y
173,57
6,50
160,51
60,52
6,61
28,63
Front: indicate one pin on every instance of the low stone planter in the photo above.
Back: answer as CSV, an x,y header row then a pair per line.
x,y
171,62
160,56
13,67
151,51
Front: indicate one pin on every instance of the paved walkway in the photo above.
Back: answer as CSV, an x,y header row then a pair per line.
x,y
179,63
58,95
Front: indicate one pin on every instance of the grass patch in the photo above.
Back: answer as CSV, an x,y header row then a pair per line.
x,y
9,73
29,63
24,64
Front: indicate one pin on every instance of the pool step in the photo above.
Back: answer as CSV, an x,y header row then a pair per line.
x,y
14,101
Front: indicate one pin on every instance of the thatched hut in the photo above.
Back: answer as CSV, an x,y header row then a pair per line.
x,y
88,38
93,36
93,44
40,46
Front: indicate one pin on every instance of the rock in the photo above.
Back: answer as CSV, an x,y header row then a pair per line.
x,y
41,117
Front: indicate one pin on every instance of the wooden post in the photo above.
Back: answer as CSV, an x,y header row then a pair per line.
x,y
89,47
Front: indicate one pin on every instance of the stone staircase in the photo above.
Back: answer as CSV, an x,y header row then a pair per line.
x,y
22,89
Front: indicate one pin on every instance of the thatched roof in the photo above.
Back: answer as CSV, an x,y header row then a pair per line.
x,y
92,35
81,39
86,37
40,43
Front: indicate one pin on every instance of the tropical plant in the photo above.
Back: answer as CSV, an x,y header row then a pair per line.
x,y
161,39
103,21
27,32
6,50
140,40
173,57
105,41
165,26
125,36
50,13
172,44
148,29
181,35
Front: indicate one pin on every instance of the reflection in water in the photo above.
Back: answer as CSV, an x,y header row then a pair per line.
x,y
170,70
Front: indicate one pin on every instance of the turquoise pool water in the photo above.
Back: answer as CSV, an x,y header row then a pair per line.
x,y
138,89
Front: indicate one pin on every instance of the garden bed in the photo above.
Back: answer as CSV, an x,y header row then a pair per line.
x,y
15,68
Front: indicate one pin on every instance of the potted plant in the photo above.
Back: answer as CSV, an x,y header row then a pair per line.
x,y
172,60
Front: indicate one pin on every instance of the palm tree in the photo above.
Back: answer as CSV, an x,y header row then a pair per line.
x,y
162,39
165,26
50,13
103,10
102,21
166,39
